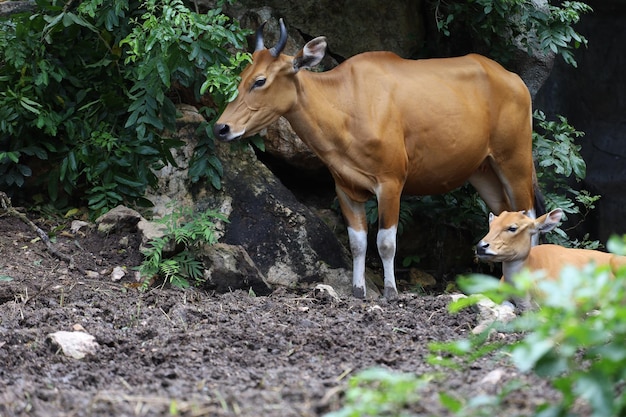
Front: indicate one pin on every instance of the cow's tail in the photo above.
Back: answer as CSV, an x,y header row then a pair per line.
x,y
540,202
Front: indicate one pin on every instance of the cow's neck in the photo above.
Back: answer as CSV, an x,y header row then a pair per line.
x,y
314,117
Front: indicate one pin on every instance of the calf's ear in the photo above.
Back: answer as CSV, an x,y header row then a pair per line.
x,y
549,220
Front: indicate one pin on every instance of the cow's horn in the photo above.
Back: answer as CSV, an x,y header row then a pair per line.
x,y
259,38
282,41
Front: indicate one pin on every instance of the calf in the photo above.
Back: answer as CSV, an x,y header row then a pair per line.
x,y
509,242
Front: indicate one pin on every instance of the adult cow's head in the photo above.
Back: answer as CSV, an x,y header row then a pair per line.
x,y
268,87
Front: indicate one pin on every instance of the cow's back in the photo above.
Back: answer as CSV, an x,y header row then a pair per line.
x,y
453,113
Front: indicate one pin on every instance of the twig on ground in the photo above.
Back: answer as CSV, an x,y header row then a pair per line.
x,y
5,205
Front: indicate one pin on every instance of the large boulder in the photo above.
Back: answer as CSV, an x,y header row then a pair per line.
x,y
288,243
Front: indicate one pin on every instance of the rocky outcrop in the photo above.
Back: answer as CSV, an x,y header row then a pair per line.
x,y
350,26
13,7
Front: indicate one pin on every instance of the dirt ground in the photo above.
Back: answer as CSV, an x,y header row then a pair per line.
x,y
172,352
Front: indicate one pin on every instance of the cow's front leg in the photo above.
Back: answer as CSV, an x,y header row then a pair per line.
x,y
358,247
354,215
388,196
386,241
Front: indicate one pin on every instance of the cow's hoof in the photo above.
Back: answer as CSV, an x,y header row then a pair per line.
x,y
390,293
358,292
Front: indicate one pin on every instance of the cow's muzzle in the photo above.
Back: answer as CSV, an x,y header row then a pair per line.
x,y
224,133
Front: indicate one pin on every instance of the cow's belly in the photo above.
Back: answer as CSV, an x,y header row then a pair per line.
x,y
434,184
437,173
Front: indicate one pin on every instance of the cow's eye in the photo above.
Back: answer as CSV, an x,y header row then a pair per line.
x,y
512,229
259,83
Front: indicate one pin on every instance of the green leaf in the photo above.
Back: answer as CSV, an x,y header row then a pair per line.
x,y
617,245
126,181
451,403
477,284
164,72
30,105
525,356
598,390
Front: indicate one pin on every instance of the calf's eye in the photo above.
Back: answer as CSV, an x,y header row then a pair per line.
x,y
259,83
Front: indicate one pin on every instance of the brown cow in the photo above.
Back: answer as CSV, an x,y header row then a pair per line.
x,y
385,125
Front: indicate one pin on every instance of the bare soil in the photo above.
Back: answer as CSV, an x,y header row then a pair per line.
x,y
168,351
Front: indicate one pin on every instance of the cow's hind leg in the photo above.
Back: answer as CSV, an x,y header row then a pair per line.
x,y
354,214
490,188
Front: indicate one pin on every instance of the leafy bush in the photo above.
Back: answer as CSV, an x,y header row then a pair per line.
x,y
561,165
185,232
95,109
503,24
379,392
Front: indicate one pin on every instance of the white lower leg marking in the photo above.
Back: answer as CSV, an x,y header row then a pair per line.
x,y
386,241
358,247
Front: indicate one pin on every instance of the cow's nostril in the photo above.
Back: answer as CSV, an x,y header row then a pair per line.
x,y
221,130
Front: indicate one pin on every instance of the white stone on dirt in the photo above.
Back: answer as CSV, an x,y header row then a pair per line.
x,y
489,312
494,377
92,274
117,273
323,291
77,225
76,345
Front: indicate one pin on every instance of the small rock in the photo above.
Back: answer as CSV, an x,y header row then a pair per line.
x,y
490,312
76,345
77,225
118,219
324,291
494,377
375,309
78,328
92,274
118,273
492,382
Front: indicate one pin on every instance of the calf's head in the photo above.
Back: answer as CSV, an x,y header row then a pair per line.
x,y
510,235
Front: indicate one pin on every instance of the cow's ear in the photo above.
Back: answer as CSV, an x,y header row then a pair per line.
x,y
311,54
